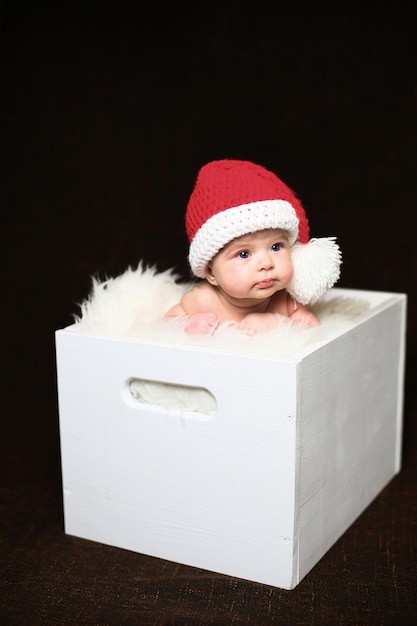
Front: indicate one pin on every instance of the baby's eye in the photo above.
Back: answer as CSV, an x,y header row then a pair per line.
x,y
243,254
276,247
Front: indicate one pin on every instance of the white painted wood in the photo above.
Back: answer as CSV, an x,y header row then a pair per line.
x,y
261,488
350,409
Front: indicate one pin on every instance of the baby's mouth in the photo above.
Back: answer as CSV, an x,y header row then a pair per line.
x,y
265,284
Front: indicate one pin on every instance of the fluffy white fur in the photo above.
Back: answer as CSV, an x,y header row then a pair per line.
x,y
133,305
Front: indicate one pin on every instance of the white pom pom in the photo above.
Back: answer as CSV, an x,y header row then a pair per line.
x,y
316,269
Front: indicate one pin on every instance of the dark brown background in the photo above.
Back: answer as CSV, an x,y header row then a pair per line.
x,y
109,110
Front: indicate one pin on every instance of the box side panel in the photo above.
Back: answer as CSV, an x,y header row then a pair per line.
x,y
213,491
350,394
375,299
401,381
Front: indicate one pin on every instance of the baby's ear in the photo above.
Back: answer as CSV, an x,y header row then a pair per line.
x,y
210,276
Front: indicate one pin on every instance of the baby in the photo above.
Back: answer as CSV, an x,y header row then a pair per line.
x,y
249,241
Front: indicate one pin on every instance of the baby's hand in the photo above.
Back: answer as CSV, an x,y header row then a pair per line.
x,y
255,323
201,324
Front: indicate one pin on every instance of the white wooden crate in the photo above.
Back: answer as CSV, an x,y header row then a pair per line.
x,y
262,487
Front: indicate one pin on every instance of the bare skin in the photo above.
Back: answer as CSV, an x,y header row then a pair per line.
x,y
245,286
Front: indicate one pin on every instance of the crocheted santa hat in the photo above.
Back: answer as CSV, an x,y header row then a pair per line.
x,y
233,198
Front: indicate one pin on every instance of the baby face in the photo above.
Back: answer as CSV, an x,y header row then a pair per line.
x,y
253,266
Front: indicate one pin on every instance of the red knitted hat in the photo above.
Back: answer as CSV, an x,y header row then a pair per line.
x,y
233,198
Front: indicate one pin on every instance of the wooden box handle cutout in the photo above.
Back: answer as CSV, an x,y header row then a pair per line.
x,y
173,397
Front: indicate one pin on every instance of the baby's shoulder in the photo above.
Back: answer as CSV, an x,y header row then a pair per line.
x,y
200,298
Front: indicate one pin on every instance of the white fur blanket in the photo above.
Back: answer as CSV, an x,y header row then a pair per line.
x,y
133,305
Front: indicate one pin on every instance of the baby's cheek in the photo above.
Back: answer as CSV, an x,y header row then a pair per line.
x,y
290,267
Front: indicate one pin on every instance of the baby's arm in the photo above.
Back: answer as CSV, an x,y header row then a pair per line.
x,y
301,314
194,309
175,311
297,313
256,323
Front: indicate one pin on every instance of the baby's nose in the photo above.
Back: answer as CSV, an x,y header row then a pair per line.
x,y
265,261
